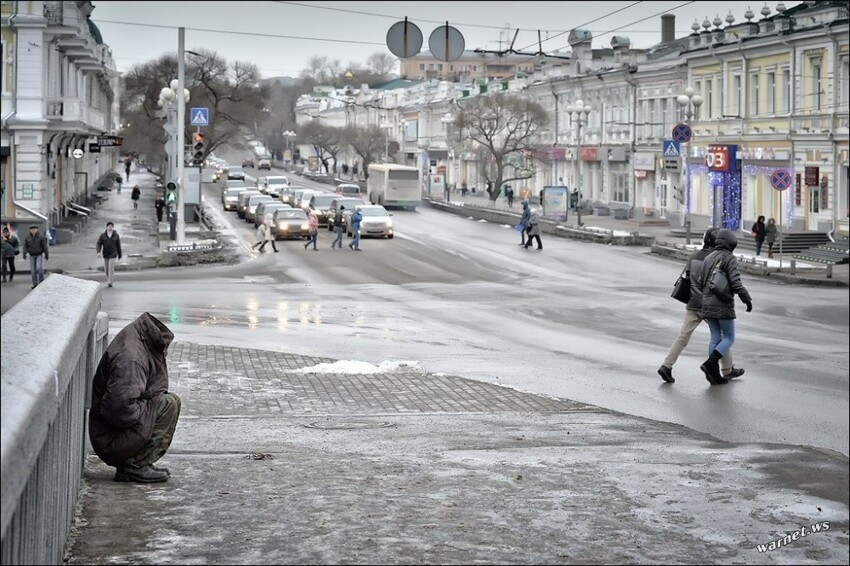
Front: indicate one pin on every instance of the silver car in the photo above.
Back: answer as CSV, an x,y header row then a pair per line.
x,y
253,202
266,210
230,198
376,221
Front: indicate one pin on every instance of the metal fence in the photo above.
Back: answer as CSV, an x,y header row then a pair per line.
x,y
52,343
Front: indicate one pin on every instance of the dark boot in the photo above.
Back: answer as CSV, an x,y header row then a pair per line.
x,y
161,469
144,474
734,372
666,374
711,369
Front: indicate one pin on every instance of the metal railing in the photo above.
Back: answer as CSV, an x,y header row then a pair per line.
x,y
44,399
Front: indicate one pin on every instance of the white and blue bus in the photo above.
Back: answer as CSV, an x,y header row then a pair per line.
x,y
392,185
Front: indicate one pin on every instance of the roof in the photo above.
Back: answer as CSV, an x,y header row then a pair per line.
x,y
95,33
394,84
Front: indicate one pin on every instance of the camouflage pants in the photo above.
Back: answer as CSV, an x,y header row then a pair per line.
x,y
155,448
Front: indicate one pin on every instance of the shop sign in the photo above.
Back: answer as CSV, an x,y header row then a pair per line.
x,y
644,161
812,176
721,158
589,154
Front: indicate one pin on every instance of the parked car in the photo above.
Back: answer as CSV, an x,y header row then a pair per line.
x,y
248,163
264,164
376,221
348,202
291,223
252,203
230,197
235,173
321,204
266,210
350,190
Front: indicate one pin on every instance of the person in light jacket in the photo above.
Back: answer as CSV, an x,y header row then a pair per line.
x,y
133,416
356,218
534,229
719,312
693,314
313,222
109,247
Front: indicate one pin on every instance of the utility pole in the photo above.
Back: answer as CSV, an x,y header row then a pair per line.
x,y
181,135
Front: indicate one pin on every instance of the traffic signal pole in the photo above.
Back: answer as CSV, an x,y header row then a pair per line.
x,y
181,135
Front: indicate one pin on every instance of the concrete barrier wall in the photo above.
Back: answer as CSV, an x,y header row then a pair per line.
x,y
52,342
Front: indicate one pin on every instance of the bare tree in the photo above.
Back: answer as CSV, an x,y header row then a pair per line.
x,y
381,64
326,140
368,143
504,125
316,69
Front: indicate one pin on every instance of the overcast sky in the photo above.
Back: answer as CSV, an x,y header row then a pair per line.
x,y
360,28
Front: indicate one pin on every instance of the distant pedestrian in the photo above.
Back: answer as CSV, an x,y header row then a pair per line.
x,y
35,245
109,247
447,191
534,229
523,221
127,162
270,236
119,181
718,310
759,233
694,271
137,192
160,208
509,194
356,218
488,186
11,248
313,222
263,235
463,189
770,235
338,228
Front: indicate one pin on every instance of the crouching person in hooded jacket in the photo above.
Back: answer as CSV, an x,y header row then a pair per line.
x,y
133,416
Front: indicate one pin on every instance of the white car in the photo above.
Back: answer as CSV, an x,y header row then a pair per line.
x,y
376,221
264,164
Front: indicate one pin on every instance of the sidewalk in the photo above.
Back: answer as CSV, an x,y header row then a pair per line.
x,y
807,273
278,459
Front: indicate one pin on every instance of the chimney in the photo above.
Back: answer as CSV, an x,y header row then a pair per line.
x,y
668,28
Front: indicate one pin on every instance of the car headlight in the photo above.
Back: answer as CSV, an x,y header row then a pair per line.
x,y
282,226
305,226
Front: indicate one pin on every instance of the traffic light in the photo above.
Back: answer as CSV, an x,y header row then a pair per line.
x,y
198,148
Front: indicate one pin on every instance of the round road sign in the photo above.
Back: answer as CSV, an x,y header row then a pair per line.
x,y
781,179
682,133
404,39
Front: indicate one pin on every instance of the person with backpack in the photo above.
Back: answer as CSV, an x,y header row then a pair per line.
x,y
355,220
137,193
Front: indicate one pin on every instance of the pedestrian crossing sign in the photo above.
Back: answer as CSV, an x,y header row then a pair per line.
x,y
200,116
670,148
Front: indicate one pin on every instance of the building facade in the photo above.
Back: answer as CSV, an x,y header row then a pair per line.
x,y
59,95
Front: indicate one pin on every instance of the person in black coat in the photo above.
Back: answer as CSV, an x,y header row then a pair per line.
x,y
109,247
759,233
718,308
137,192
160,207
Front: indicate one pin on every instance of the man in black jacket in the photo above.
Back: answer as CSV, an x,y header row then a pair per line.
x,y
35,245
693,316
109,246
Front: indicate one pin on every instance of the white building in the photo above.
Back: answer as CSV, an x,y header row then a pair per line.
x,y
58,94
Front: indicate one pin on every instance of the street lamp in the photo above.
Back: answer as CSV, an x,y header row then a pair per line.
x,y
578,113
169,98
689,103
289,135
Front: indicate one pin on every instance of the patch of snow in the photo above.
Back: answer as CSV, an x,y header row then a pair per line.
x,y
362,368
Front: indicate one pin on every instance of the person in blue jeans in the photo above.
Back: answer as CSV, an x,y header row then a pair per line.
x,y
35,245
719,311
355,229
338,228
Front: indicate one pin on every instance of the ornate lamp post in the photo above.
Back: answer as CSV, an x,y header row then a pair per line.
x,y
689,103
578,113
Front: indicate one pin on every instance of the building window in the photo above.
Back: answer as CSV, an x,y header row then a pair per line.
x,y
771,93
620,186
421,66
754,94
709,99
844,85
817,85
439,66
451,67
786,91
698,90
3,68
735,110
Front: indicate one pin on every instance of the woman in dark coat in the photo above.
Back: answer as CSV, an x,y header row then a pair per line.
x,y
719,312
137,192
133,416
759,233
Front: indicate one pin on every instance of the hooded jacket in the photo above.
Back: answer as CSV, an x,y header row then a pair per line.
x,y
526,213
131,377
712,307
356,218
696,265
533,224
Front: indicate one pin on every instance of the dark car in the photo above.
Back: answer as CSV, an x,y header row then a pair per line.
x,y
248,163
349,204
321,204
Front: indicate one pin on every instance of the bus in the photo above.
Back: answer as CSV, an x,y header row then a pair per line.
x,y
392,185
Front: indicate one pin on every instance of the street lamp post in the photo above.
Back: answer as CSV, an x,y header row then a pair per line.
x,y
578,113
289,135
169,102
689,102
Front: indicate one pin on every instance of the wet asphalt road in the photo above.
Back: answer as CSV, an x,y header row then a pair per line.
x,y
579,321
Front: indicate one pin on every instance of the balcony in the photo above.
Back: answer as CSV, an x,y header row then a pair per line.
x,y
75,112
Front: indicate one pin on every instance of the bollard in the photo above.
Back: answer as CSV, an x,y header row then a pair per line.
x,y
793,267
829,271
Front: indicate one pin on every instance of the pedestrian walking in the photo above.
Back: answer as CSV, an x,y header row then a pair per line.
x,y
759,231
356,218
313,222
35,245
119,181
720,281
269,236
127,162
770,234
159,203
262,231
137,192
338,228
11,248
133,416
693,314
509,194
534,230
523,221
109,247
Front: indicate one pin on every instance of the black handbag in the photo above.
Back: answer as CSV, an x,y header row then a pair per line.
x,y
682,288
718,284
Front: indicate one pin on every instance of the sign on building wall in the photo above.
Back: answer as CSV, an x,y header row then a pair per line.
x,y
644,161
798,190
721,158
812,176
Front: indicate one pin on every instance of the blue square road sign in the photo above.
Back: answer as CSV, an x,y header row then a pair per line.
x,y
200,116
